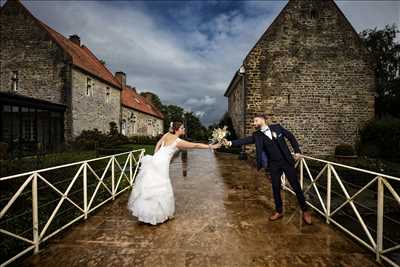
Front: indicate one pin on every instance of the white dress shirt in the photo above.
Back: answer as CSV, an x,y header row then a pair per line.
x,y
267,131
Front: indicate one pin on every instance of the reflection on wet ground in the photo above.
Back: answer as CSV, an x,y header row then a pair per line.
x,y
222,209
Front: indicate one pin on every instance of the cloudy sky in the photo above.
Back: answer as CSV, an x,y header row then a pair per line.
x,y
186,52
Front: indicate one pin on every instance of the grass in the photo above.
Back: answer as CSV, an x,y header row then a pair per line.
x,y
11,167
149,148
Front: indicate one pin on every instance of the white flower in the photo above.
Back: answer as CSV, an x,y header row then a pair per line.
x,y
274,135
218,135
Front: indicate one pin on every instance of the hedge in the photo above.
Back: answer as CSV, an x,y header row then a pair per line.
x,y
381,139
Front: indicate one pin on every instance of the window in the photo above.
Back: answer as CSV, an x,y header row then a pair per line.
x,y
14,81
313,14
132,119
108,94
89,87
123,127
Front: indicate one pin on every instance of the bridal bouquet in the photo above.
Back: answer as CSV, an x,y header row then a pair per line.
x,y
218,135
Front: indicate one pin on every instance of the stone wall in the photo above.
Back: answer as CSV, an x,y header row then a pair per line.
x,y
27,49
235,106
42,66
136,123
92,111
310,73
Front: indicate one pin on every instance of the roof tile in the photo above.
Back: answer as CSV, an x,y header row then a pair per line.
x,y
132,99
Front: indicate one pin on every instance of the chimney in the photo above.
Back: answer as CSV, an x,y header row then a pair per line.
x,y
75,39
148,96
121,77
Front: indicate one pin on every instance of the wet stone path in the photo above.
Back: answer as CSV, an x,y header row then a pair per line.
x,y
222,210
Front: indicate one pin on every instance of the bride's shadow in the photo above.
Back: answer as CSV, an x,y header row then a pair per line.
x,y
182,156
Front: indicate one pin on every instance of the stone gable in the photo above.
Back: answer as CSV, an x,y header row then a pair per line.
x,y
310,72
28,50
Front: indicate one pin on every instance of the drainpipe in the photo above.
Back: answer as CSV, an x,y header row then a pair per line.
x,y
242,73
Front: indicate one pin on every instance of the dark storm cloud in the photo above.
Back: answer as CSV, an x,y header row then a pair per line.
x,y
186,52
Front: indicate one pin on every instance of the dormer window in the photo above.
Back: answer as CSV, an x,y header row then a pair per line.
x,y
108,94
89,87
14,81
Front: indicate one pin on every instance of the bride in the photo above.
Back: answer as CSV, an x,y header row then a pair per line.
x,y
152,198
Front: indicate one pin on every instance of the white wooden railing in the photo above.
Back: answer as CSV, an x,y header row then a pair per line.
x,y
120,168
116,176
378,188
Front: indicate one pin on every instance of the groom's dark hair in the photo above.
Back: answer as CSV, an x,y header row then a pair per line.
x,y
262,116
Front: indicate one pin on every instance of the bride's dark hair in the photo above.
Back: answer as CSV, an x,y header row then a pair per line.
x,y
175,126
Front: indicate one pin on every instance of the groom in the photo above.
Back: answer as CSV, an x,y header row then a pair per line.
x,y
271,140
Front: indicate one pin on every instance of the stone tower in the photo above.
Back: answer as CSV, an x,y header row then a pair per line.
x,y
310,72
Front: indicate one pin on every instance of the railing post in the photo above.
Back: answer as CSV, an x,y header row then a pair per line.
x,y
328,193
301,173
380,208
283,181
130,168
113,177
35,214
85,203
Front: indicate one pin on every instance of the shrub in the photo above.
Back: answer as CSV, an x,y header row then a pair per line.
x,y
144,140
381,139
89,139
3,150
92,139
344,150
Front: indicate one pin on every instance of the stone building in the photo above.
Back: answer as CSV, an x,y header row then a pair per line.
x,y
139,116
310,72
51,87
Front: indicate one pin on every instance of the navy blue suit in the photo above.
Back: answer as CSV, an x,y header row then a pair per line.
x,y
280,160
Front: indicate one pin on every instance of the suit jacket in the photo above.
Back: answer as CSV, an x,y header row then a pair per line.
x,y
275,149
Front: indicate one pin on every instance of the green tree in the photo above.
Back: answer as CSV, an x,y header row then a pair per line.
x,y
155,99
172,113
194,128
386,54
226,120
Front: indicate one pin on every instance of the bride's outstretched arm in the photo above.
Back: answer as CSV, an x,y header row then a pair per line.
x,y
189,145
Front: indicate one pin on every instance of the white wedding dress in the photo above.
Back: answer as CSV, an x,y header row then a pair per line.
x,y
152,199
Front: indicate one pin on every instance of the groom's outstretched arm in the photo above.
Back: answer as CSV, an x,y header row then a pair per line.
x,y
243,141
292,139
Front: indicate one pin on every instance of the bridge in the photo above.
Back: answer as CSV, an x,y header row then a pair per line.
x,y
222,210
